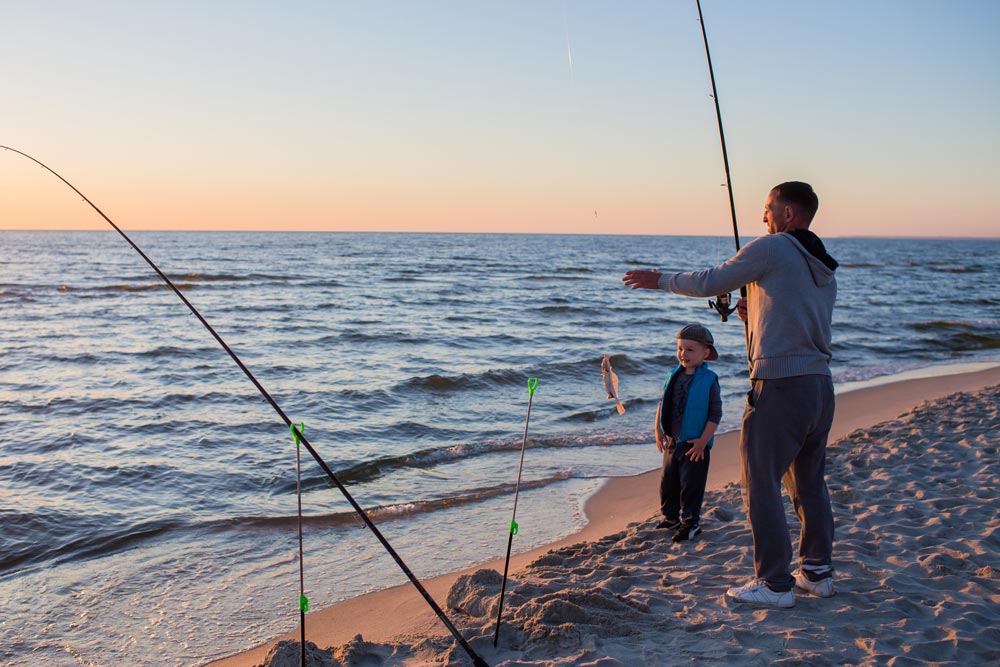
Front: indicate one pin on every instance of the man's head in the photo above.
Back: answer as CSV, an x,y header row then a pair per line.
x,y
790,206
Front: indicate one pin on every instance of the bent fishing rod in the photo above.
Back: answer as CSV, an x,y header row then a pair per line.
x,y
722,301
476,660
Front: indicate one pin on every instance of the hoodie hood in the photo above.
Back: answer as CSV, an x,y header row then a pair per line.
x,y
821,264
815,247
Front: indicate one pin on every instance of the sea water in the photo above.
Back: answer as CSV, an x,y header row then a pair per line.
x,y
148,492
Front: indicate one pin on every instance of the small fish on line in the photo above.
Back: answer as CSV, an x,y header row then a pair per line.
x,y
611,382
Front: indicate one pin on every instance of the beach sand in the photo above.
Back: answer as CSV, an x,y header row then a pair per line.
x,y
914,473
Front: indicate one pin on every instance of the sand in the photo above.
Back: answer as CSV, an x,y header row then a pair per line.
x,y
917,552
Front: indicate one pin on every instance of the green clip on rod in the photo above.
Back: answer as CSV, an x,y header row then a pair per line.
x,y
303,600
532,383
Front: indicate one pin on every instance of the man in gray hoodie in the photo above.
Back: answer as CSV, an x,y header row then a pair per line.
x,y
791,290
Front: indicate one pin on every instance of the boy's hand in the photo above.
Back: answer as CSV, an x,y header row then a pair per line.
x,y
697,451
657,431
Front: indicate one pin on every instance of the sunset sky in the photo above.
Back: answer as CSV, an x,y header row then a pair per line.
x,y
561,116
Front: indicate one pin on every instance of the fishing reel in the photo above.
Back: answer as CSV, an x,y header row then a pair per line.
x,y
721,306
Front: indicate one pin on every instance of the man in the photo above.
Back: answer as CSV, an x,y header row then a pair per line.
x,y
791,290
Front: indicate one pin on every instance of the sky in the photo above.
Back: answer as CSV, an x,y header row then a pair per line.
x,y
505,117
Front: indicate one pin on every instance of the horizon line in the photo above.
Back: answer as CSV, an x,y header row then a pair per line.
x,y
481,233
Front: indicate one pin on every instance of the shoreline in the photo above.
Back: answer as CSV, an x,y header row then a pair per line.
x,y
383,615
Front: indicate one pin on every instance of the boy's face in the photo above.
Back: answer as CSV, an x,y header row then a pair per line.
x,y
691,353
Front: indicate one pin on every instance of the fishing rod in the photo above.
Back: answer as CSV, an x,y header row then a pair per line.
x,y
303,600
532,383
476,660
722,301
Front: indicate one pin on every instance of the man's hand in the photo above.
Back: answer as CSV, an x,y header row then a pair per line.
x,y
741,309
642,279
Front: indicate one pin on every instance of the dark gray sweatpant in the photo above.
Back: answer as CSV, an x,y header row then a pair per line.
x,y
785,429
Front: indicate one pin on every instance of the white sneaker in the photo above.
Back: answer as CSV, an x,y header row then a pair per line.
x,y
758,592
823,588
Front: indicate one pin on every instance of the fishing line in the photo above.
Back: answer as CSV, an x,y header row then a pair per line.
x,y
476,660
569,49
721,304
532,383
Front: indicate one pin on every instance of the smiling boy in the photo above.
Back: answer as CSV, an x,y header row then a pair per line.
x,y
686,419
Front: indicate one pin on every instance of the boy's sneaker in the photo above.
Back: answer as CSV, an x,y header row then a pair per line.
x,y
758,592
669,524
823,588
686,532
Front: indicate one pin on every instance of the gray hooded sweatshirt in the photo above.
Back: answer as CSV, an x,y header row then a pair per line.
x,y
790,297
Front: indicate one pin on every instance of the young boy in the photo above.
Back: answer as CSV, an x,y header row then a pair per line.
x,y
686,419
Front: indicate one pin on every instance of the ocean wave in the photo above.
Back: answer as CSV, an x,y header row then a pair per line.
x,y
367,471
373,335
464,381
35,440
229,277
390,512
183,281
369,399
52,537
117,395
83,358
969,342
623,363
560,309
961,325
408,277
174,352
977,300
580,368
563,275
73,407
590,366
422,459
18,298
214,398
15,294
126,287
957,269
600,414
321,283
961,336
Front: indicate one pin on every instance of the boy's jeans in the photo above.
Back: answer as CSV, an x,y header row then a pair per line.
x,y
682,483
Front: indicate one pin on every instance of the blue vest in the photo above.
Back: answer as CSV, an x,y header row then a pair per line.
x,y
695,410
